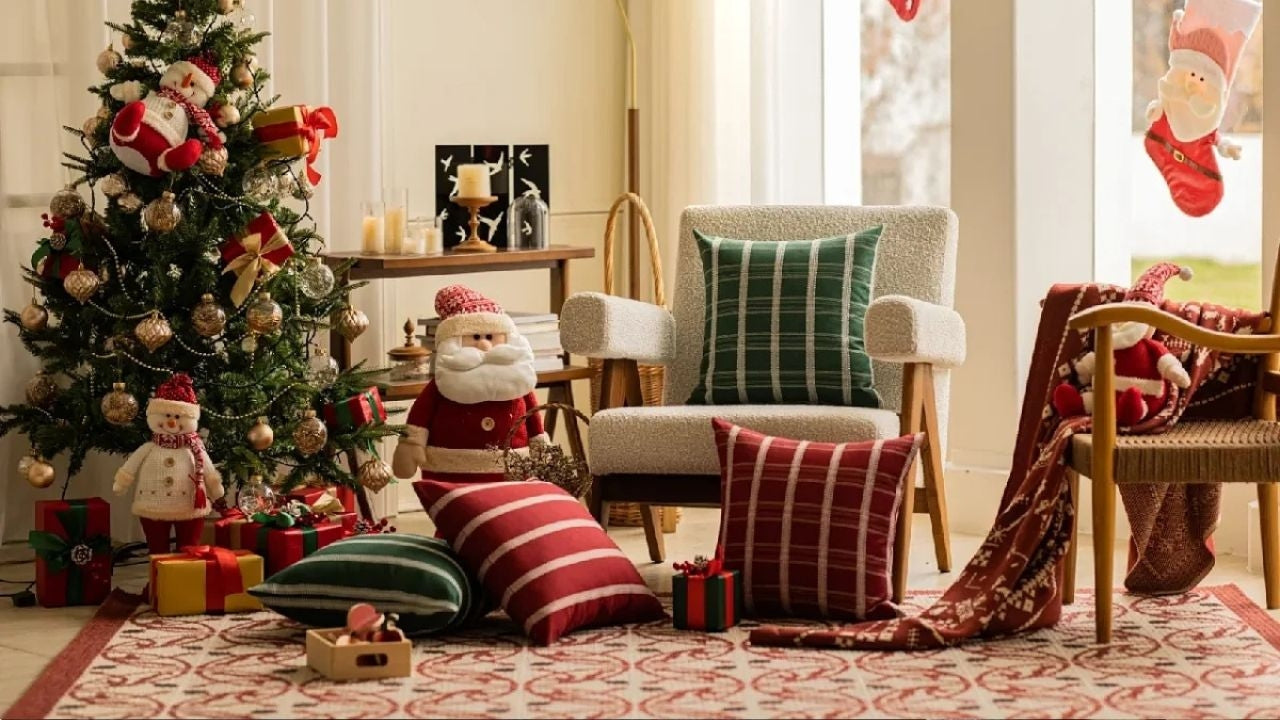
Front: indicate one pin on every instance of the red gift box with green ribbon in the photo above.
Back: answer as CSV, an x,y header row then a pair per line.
x,y
281,540
72,541
706,597
356,411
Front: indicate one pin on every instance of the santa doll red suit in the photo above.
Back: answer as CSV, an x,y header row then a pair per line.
x,y
483,384
1144,367
1205,43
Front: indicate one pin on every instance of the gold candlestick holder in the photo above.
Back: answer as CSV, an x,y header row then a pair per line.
x,y
473,243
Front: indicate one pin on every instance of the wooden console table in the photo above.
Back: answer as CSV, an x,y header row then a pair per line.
x,y
559,383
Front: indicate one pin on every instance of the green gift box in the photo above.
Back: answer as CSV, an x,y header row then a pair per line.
x,y
709,602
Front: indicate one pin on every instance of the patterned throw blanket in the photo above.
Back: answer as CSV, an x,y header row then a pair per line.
x,y
1013,582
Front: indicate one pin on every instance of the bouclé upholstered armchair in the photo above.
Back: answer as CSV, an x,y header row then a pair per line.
x,y
666,455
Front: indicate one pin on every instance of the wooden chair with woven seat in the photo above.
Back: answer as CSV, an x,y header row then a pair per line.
x,y
1240,451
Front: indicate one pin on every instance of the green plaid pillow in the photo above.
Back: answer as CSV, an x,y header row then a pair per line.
x,y
784,321
417,577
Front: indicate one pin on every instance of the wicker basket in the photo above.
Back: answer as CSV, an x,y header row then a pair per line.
x,y
576,486
652,377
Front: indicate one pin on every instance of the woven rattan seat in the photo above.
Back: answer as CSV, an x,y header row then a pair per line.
x,y
1192,452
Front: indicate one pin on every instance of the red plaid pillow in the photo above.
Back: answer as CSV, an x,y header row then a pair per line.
x,y
538,551
810,525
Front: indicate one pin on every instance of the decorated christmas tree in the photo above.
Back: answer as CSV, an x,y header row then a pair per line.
x,y
183,244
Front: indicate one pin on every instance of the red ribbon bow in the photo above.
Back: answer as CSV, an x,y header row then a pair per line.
x,y
230,516
317,124
701,567
222,578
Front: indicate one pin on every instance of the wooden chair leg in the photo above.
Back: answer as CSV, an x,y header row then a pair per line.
x,y
596,505
1104,539
652,521
1069,565
1269,520
934,487
911,419
555,393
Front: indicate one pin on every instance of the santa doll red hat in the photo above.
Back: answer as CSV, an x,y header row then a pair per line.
x,y
1144,367
1205,44
483,384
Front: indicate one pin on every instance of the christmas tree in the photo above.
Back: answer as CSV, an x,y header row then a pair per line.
x,y
184,244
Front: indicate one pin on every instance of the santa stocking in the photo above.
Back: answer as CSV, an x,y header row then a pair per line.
x,y
1205,43
906,9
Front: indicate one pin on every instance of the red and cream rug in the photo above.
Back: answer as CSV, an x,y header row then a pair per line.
x,y
1210,653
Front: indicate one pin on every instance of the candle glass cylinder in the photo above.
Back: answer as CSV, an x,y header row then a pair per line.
x,y
372,229
473,181
396,215
418,238
528,223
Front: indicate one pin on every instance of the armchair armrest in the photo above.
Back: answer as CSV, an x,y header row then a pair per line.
x,y
906,330
596,325
1114,313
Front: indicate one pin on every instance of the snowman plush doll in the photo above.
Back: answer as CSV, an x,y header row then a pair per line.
x,y
149,135
176,481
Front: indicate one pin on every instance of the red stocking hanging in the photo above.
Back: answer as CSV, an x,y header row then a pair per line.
x,y
1205,42
906,9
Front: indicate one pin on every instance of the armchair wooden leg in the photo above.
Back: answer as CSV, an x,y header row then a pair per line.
x,y
652,521
596,505
911,420
1104,539
1069,565
934,488
1269,519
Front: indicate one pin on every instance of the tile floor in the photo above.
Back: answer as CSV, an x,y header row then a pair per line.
x,y
29,637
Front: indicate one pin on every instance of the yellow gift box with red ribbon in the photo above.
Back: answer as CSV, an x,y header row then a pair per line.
x,y
205,580
295,131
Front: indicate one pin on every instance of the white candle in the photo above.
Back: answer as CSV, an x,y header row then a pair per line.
x,y
473,181
371,235
434,245
395,230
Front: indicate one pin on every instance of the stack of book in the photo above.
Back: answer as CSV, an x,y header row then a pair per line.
x,y
542,330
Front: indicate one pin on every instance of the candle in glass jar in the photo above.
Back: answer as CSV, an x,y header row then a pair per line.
x,y
371,229
395,230
473,181
434,246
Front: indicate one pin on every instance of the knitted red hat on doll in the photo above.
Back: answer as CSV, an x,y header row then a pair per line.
x,y
1144,367
482,384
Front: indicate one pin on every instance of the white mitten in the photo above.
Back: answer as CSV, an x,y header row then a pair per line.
x,y
127,91
409,458
122,482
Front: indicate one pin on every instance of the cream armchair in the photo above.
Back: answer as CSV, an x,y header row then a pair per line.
x,y
666,455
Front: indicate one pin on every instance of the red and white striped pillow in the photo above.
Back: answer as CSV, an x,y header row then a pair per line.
x,y
810,525
540,554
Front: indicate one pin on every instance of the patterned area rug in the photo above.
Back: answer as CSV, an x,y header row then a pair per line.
x,y
1208,653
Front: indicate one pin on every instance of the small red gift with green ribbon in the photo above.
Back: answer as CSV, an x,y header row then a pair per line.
x,y
72,541
356,411
282,540
705,596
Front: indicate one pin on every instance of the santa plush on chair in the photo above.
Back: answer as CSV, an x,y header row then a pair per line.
x,y
483,384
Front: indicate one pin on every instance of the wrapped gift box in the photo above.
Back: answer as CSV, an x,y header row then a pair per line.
x,y
356,411
72,541
706,602
205,580
295,131
221,531
280,546
314,496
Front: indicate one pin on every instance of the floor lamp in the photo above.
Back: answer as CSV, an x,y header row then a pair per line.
x,y
633,160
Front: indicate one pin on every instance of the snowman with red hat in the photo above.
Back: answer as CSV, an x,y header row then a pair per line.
x,y
482,385
1144,367
149,135
176,481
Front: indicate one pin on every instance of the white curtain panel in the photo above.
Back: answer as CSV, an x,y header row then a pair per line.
x,y
320,53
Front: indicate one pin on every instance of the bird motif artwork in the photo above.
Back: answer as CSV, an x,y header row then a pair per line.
x,y
513,170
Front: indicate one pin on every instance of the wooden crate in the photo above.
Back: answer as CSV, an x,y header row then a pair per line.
x,y
364,661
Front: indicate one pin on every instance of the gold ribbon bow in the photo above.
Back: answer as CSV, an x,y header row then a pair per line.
x,y
253,263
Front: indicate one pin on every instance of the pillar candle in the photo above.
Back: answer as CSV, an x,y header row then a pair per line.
x,y
395,230
473,181
371,238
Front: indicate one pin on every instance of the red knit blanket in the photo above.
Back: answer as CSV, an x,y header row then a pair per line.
x,y
1013,582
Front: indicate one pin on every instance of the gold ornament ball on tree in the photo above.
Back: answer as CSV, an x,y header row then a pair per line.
x,y
81,284
37,472
113,185
34,317
208,318
213,161
129,202
226,7
261,436
128,43
350,323
162,214
67,203
311,435
375,474
242,76
119,406
90,130
41,390
154,331
264,315
108,60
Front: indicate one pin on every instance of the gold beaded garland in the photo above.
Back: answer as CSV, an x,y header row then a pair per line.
x,y
208,318
375,474
311,435
261,436
162,214
350,323
81,284
41,390
119,406
34,317
264,315
154,331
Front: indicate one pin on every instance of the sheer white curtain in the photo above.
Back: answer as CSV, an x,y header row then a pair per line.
x,y
320,53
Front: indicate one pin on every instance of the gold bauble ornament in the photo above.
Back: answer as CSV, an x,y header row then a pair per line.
x,y
113,185
375,474
41,390
119,406
154,331
208,318
226,7
264,315
128,43
242,76
34,317
162,214
350,323
37,472
311,435
81,284
213,161
90,130
108,60
67,203
261,435
129,202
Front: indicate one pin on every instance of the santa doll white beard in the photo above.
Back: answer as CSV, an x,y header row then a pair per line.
x,y
469,375
1191,117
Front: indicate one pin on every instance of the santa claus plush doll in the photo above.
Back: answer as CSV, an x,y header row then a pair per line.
x,y
176,481
1205,43
149,134
482,385
1144,367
